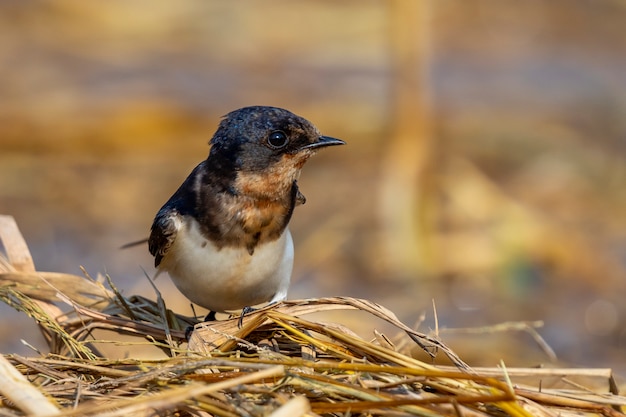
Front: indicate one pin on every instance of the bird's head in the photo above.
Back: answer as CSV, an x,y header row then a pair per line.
x,y
262,149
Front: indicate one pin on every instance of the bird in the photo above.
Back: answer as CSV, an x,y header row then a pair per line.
x,y
223,237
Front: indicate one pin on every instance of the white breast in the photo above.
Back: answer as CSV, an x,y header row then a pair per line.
x,y
228,278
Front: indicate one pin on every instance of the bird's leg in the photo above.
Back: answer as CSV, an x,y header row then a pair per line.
x,y
189,329
188,332
244,311
248,310
210,316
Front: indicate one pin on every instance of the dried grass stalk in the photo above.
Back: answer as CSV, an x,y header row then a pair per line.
x,y
16,388
278,363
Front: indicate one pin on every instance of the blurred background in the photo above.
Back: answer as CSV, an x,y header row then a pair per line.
x,y
484,169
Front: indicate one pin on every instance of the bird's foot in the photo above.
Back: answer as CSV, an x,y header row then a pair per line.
x,y
189,329
210,316
248,310
188,332
244,311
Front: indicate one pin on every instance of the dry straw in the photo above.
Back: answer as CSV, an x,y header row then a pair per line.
x,y
276,364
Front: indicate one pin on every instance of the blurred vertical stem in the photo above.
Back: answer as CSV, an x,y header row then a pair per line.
x,y
406,166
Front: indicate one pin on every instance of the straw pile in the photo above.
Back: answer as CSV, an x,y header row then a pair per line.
x,y
277,363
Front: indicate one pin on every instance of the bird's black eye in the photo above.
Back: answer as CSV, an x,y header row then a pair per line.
x,y
277,139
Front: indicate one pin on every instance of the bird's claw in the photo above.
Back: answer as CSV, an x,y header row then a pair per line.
x,y
244,311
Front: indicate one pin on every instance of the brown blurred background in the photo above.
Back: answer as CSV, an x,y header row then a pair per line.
x,y
484,168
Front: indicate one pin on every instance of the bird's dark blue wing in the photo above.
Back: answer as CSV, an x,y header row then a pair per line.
x,y
162,233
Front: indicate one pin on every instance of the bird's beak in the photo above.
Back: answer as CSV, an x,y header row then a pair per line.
x,y
322,142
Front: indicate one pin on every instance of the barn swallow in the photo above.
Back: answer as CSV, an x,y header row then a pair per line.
x,y
223,236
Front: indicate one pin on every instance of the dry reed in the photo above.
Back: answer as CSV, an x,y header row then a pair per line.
x,y
277,363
